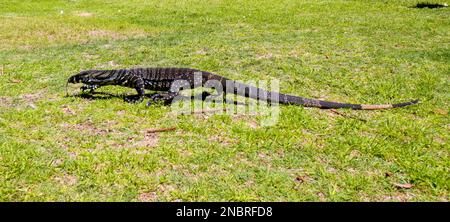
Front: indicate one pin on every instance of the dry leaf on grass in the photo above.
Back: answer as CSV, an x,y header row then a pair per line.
x,y
441,112
404,185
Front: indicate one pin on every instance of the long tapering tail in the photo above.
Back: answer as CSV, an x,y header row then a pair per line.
x,y
289,99
261,94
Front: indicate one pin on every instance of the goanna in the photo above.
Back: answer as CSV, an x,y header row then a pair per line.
x,y
169,81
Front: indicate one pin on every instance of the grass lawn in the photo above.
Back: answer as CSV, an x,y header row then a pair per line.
x,y
57,148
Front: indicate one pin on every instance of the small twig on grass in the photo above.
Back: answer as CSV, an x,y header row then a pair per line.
x,y
158,130
1,70
209,111
203,111
347,116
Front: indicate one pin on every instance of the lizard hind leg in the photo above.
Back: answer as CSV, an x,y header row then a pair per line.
x,y
165,97
139,86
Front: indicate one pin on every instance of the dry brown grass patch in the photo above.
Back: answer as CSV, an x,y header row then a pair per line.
x,y
84,14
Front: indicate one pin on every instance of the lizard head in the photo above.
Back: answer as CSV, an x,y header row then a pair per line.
x,y
82,77
90,77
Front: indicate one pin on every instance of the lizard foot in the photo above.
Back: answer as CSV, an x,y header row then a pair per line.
x,y
91,88
133,99
165,98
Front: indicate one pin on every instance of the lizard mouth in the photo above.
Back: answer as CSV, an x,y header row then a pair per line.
x,y
71,80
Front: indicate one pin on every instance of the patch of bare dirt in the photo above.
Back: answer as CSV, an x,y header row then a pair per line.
x,y
104,33
84,14
249,183
150,139
252,124
300,179
87,127
331,169
321,196
185,153
5,101
110,64
101,33
72,155
265,56
403,185
354,154
398,197
109,123
439,140
67,110
31,99
241,158
249,121
166,189
441,112
91,56
57,162
66,179
201,52
15,81
22,101
225,141
148,197
262,155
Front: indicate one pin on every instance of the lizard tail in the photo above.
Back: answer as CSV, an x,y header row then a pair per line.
x,y
261,94
289,99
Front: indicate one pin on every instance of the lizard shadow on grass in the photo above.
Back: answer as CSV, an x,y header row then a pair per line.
x,y
429,5
106,96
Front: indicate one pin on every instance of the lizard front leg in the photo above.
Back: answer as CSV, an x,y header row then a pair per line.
x,y
138,84
91,88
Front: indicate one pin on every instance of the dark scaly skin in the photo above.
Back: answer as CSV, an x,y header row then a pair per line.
x,y
162,80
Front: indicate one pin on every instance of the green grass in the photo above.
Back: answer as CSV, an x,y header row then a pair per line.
x,y
57,148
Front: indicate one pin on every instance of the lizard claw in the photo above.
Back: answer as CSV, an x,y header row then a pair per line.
x,y
83,88
133,99
159,98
